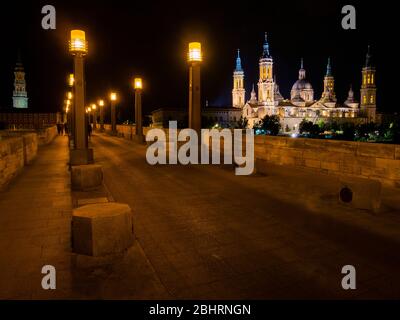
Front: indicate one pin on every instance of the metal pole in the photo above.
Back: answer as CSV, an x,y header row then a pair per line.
x,y
194,97
101,118
113,118
80,128
138,113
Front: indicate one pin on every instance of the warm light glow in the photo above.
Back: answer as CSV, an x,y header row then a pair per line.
x,y
69,95
194,53
71,80
101,103
68,102
113,96
66,110
137,83
89,109
94,106
78,42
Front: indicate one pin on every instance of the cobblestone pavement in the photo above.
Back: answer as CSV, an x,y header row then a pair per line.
x,y
35,220
211,234
202,232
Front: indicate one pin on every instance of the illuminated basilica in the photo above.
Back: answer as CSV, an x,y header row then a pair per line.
x,y
302,103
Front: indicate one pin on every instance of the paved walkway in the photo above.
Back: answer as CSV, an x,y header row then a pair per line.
x,y
35,220
211,234
202,233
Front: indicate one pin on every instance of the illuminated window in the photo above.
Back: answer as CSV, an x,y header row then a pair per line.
x,y
364,99
371,99
365,79
372,78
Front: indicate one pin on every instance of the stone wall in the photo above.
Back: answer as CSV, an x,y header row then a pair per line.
x,y
124,130
15,152
369,160
47,135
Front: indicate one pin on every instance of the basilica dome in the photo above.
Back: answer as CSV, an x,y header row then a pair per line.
x,y
301,84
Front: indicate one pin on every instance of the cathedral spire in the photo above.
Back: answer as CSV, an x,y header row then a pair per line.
x,y
302,71
329,68
238,62
368,58
266,53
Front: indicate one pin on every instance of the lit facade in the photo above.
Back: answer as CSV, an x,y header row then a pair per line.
x,y
20,96
302,103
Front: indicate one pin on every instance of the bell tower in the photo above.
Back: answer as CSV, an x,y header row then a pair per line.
x,y
368,89
20,96
266,80
328,96
238,92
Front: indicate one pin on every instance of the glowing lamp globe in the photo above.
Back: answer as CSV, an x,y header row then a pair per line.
x,y
78,43
71,80
113,96
137,83
101,103
194,54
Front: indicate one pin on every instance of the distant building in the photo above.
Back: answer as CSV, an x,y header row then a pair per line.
x,y
302,103
20,96
210,116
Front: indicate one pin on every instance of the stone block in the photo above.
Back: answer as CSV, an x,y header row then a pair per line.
x,y
330,165
102,229
86,177
397,152
312,163
360,193
376,150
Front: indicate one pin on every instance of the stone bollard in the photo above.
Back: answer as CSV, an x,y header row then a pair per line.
x,y
102,229
360,193
86,177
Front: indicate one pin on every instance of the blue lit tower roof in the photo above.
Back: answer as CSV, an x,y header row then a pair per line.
x,y
329,68
368,58
238,62
266,53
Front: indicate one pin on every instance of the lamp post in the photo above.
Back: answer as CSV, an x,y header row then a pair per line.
x,y
78,48
101,104
113,98
194,59
138,86
71,117
94,108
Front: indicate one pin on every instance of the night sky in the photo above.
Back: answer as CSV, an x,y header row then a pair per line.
x,y
149,38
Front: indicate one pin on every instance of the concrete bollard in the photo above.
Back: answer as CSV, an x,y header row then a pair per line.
x,y
86,177
102,229
360,193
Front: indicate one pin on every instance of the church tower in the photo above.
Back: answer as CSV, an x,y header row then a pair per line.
x,y
238,92
368,89
329,96
266,81
20,96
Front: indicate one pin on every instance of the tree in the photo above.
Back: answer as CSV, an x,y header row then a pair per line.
x,y
242,123
310,128
270,124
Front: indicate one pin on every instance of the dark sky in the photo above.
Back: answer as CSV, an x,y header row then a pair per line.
x,y
149,38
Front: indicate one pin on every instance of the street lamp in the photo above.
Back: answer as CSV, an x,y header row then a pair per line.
x,y
101,104
138,86
70,117
94,108
194,58
113,98
78,48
